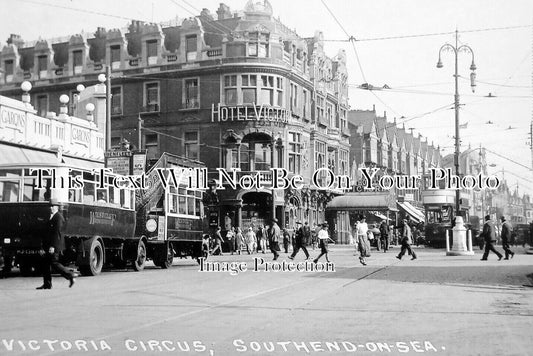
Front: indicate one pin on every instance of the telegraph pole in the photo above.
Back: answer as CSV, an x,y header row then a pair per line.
x,y
108,107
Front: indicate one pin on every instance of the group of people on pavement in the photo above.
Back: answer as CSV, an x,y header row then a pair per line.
x,y
270,237
362,236
251,240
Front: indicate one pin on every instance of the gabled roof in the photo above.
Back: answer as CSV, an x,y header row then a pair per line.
x,y
408,140
381,125
400,136
415,144
424,149
363,118
391,132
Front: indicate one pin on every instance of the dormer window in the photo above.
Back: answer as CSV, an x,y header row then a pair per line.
x,y
9,70
77,62
191,48
151,52
258,44
115,57
42,66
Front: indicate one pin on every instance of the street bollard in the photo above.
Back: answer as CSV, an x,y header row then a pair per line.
x,y
460,242
469,240
447,241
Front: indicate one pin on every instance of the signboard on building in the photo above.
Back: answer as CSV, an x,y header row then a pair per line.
x,y
262,113
13,119
279,196
126,162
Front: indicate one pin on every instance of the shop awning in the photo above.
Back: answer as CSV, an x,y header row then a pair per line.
x,y
379,215
351,202
13,156
414,212
82,163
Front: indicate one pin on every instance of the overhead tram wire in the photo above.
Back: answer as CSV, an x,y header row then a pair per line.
x,y
85,11
442,33
352,41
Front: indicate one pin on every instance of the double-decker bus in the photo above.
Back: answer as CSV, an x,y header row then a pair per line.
x,y
170,212
99,218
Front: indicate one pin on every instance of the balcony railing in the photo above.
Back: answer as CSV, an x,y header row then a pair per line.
x,y
214,52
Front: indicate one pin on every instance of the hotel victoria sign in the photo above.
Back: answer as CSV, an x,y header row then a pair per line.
x,y
253,112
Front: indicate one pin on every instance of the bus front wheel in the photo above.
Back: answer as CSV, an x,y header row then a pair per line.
x,y
94,259
140,258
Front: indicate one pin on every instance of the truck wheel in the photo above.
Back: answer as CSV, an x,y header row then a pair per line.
x,y
166,262
96,259
140,259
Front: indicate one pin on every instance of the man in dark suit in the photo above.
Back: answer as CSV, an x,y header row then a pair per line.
x,y
507,230
299,242
52,247
384,231
407,240
274,236
489,235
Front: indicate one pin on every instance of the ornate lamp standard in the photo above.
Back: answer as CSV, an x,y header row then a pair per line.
x,y
456,49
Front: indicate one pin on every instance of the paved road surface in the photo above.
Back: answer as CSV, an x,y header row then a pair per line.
x,y
434,305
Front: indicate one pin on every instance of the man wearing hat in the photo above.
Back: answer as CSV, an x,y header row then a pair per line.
x,y
52,247
407,240
489,235
274,236
323,238
507,229
299,242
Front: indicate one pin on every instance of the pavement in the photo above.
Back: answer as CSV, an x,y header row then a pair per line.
x,y
436,304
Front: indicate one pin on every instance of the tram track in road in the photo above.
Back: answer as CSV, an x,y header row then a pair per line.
x,y
154,324
291,286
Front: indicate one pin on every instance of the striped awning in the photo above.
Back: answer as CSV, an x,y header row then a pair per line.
x,y
415,213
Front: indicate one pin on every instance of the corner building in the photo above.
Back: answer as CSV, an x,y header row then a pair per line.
x,y
231,89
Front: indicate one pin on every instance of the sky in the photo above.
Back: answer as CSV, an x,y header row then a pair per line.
x,y
396,43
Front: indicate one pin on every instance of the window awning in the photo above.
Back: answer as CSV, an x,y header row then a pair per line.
x,y
82,163
352,202
379,215
19,156
13,156
414,212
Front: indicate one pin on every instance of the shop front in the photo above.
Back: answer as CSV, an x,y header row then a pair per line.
x,y
374,206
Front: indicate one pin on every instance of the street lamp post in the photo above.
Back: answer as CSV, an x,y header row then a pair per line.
x,y
456,49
